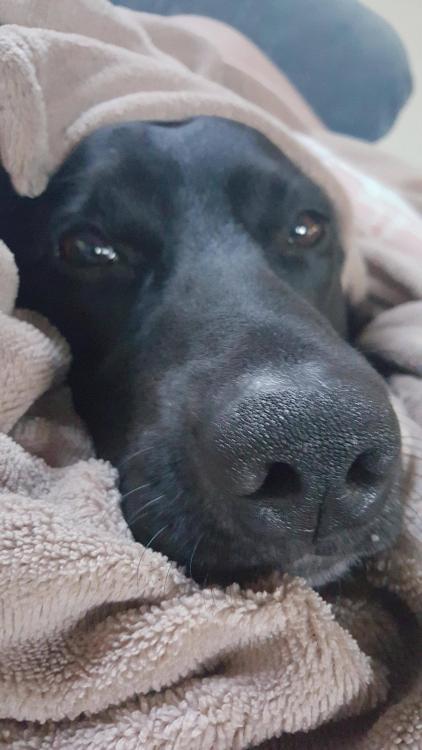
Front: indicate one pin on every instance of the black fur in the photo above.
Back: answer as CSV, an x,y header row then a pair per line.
x,y
212,364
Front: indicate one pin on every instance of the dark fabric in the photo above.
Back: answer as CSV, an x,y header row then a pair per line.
x,y
346,61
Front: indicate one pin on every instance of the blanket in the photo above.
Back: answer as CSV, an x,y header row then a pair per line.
x,y
105,644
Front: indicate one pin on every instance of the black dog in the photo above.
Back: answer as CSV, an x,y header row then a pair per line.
x,y
196,273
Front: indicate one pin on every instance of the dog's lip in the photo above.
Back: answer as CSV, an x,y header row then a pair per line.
x,y
318,570
318,563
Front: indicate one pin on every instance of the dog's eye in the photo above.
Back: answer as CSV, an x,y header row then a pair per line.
x,y
308,229
86,250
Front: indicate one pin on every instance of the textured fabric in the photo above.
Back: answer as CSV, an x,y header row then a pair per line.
x,y
133,66
106,644
353,56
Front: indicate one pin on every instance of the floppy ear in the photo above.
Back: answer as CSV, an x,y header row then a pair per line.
x,y
8,197
14,217
10,203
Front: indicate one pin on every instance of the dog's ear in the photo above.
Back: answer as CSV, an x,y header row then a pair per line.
x,y
8,199
14,216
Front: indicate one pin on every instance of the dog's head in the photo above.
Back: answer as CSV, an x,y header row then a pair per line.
x,y
196,273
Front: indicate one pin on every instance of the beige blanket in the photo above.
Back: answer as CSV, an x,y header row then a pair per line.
x,y
105,645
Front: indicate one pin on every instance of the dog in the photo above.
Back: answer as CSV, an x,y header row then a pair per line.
x,y
196,273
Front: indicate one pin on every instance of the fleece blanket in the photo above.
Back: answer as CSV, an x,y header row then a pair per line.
x,y
106,644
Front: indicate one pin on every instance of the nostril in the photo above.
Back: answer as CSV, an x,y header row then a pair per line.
x,y
365,471
281,480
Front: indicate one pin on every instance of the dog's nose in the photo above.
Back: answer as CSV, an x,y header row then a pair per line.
x,y
315,457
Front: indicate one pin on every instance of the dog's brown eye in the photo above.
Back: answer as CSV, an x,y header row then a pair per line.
x,y
86,250
308,229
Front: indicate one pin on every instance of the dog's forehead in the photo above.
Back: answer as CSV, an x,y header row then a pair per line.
x,y
200,146
139,171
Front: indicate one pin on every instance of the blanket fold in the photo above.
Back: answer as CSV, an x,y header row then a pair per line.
x,y
105,644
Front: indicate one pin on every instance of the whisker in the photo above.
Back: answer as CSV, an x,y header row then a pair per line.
x,y
166,578
199,540
151,502
136,489
133,455
141,510
157,534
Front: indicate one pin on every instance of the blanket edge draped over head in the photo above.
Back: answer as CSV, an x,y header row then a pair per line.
x,y
104,644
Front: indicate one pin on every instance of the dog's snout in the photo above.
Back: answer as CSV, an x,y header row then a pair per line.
x,y
313,456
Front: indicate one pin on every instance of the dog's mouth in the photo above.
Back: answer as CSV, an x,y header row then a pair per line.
x,y
297,473
217,550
